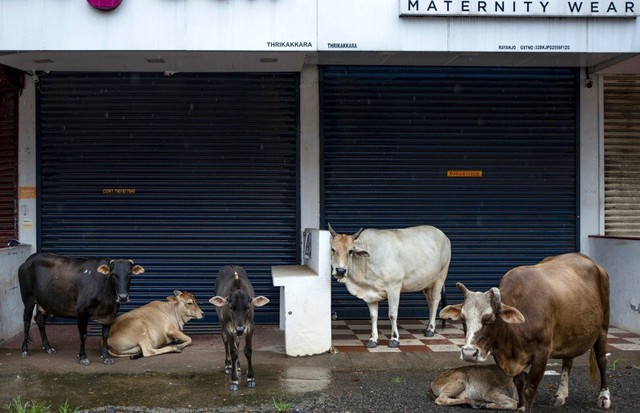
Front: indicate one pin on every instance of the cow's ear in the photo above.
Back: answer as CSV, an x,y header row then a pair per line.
x,y
137,269
259,301
359,252
510,314
451,312
173,299
218,301
104,269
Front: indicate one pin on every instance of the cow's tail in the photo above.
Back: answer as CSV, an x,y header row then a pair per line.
x,y
593,367
443,304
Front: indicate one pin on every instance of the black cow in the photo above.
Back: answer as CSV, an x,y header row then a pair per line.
x,y
234,303
81,288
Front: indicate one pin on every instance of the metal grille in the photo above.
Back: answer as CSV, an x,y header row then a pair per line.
x,y
182,174
622,155
405,146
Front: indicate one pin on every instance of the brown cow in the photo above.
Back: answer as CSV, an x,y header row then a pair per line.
x,y
481,387
558,308
154,328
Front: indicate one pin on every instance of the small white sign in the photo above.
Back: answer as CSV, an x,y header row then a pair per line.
x,y
521,8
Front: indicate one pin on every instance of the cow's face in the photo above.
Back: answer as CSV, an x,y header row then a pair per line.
x,y
237,310
120,272
480,313
187,305
343,249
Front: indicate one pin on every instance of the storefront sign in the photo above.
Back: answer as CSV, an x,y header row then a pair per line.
x,y
520,8
119,191
27,192
464,174
105,5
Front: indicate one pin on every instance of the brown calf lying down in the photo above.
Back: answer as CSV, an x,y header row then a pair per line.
x,y
482,386
154,328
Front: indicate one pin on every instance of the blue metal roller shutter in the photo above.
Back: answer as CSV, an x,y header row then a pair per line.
x,y
392,134
182,174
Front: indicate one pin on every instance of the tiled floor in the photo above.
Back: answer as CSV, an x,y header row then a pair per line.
x,y
352,336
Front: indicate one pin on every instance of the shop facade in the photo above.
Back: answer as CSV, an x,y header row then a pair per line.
x,y
191,134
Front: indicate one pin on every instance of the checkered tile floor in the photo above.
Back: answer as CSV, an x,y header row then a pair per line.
x,y
352,336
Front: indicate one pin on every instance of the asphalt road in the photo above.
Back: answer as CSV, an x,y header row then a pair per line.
x,y
194,382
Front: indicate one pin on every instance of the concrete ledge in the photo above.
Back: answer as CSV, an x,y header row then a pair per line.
x,y
305,298
11,307
282,274
621,258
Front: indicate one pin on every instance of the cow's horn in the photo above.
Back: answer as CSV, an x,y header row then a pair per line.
x,y
236,280
331,230
495,302
462,288
357,234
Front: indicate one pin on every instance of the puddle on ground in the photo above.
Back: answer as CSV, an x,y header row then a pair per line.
x,y
178,390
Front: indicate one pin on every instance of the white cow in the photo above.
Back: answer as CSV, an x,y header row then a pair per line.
x,y
380,264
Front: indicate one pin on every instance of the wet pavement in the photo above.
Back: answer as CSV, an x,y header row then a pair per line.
x,y
345,380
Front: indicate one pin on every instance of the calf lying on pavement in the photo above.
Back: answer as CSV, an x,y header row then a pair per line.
x,y
234,303
154,328
484,386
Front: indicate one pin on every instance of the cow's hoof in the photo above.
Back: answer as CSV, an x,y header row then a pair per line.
x,y
49,350
233,387
84,361
475,404
25,354
227,370
559,401
251,383
429,333
393,343
604,399
108,360
372,344
604,403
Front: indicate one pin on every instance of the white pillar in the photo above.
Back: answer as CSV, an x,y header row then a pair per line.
x,y
591,208
27,165
309,149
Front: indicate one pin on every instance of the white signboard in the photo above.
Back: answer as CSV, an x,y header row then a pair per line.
x,y
521,8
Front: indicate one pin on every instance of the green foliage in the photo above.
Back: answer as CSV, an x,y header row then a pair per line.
x,y
18,406
281,407
66,409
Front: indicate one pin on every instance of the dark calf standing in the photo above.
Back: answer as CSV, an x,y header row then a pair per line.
x,y
234,303
81,288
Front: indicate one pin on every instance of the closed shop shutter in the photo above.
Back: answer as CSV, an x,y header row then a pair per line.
x,y
488,155
622,155
10,83
182,174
